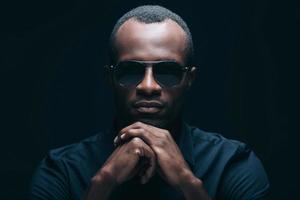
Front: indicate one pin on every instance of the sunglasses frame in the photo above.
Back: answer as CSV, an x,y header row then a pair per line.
x,y
113,69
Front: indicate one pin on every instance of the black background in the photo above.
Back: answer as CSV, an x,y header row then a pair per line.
x,y
52,53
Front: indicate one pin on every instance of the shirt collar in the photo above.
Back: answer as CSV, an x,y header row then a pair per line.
x,y
186,144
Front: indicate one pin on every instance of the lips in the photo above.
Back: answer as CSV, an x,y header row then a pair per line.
x,y
148,107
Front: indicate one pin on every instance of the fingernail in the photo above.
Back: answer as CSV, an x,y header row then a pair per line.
x,y
137,152
115,140
122,136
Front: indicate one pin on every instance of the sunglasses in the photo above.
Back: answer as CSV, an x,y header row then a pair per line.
x,y
131,73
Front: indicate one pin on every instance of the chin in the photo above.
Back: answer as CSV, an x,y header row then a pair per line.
x,y
159,123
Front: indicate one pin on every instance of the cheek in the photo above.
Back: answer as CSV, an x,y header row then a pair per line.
x,y
174,98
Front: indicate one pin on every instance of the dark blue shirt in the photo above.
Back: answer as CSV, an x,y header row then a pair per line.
x,y
228,168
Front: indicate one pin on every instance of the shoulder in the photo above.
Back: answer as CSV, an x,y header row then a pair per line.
x,y
95,146
76,154
230,167
75,150
82,158
212,152
215,142
68,167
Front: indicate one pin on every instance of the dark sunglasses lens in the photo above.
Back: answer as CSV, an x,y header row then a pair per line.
x,y
168,73
129,73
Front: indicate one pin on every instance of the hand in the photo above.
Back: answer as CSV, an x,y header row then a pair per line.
x,y
128,160
124,163
171,164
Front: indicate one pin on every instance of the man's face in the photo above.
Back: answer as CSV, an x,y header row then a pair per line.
x,y
149,101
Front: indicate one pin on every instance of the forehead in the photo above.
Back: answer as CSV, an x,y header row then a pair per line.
x,y
154,41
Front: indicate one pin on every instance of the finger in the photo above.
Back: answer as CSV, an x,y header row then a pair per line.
x,y
132,126
131,133
135,125
148,127
148,153
119,139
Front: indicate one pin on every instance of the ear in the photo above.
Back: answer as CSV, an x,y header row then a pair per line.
x,y
192,76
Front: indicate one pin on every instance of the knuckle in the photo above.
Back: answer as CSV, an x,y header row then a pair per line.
x,y
166,133
158,150
139,124
136,141
161,143
164,136
131,131
143,130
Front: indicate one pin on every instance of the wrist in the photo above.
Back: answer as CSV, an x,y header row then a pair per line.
x,y
188,179
105,177
192,187
101,186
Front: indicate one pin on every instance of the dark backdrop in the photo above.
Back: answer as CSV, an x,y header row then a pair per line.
x,y
53,94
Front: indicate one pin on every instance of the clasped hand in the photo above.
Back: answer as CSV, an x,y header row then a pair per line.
x,y
142,150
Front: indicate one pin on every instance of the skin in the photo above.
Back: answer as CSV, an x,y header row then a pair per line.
x,y
151,42
145,143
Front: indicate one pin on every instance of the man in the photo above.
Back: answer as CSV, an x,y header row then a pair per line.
x,y
150,152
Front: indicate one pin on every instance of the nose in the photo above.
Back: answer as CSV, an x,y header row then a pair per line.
x,y
148,86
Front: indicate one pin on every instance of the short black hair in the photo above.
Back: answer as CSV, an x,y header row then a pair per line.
x,y
152,14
